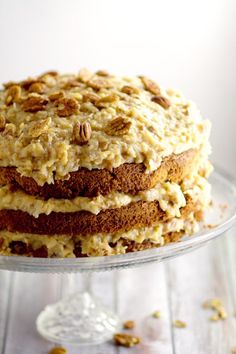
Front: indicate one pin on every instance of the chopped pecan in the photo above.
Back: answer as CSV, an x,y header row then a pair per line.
x,y
98,83
82,133
129,324
13,94
2,122
39,127
84,75
109,98
179,324
38,87
50,72
150,85
9,84
67,107
102,73
10,129
162,101
27,83
130,90
34,104
118,126
106,99
58,350
126,340
70,84
91,97
55,96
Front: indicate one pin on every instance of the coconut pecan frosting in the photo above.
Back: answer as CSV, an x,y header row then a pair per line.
x,y
95,164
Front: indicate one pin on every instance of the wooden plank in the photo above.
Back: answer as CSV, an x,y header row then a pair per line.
x,y
140,292
30,294
5,296
193,279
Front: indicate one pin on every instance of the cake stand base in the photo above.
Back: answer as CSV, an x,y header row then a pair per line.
x,y
78,320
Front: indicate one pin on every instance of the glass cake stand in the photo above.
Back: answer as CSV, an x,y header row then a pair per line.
x,y
80,319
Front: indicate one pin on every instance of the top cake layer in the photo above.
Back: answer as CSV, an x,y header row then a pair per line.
x,y
54,124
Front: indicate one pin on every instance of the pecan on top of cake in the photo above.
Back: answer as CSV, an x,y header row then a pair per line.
x,y
54,124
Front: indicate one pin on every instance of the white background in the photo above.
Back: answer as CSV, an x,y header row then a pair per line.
x,y
190,45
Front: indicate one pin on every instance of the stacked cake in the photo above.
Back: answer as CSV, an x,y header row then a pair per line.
x,y
92,164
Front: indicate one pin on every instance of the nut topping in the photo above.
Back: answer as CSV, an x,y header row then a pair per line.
x,y
37,87
2,122
70,84
67,107
126,340
118,127
162,101
91,97
13,94
34,104
27,83
106,99
55,96
39,127
98,83
82,133
130,90
84,75
102,73
150,85
58,350
129,324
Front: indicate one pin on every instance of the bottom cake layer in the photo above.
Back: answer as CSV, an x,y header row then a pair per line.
x,y
60,246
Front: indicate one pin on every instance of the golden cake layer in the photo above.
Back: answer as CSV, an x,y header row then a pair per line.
x,y
94,164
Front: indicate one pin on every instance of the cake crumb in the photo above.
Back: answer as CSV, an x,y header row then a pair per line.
x,y
58,350
156,314
129,324
179,324
126,340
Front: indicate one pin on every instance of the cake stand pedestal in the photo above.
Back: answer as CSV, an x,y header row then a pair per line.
x,y
79,318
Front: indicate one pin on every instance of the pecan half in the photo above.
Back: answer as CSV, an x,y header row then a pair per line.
x,y
82,133
13,94
67,107
84,75
34,104
2,122
150,85
37,87
98,83
162,101
126,340
130,90
118,127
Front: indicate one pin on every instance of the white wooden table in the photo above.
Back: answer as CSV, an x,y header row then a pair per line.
x,y
177,288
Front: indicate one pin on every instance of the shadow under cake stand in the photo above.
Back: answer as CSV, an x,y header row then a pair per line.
x,y
81,319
